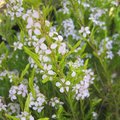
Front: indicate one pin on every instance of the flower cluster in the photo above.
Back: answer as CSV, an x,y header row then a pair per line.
x,y
2,105
69,29
59,44
3,74
54,102
106,45
14,8
38,102
84,31
18,90
25,116
50,61
63,85
33,25
17,45
13,108
81,89
96,14
79,62
64,9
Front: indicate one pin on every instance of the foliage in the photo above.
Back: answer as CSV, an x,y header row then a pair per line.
x,y
59,60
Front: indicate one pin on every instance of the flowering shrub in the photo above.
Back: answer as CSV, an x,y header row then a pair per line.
x,y
59,60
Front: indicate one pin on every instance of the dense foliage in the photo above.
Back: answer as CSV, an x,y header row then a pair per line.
x,y
59,60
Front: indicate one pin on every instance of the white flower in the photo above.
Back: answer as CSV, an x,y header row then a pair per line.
x,y
12,93
53,46
54,102
22,90
51,72
48,51
110,55
25,116
46,58
109,44
73,74
60,38
30,22
38,102
37,31
53,116
95,115
62,49
47,23
58,84
47,67
85,31
13,108
62,90
69,29
17,90
2,105
37,24
63,86
67,82
35,14
81,89
43,46
17,45
30,32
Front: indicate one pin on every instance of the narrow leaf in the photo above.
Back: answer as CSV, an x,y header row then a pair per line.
x,y
24,72
33,56
27,104
31,83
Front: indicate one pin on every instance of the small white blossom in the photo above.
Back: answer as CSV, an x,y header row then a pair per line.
x,y
53,46
73,74
62,49
69,29
63,85
37,31
25,116
17,45
81,89
43,46
2,105
54,102
37,103
13,108
17,90
51,72
95,115
84,31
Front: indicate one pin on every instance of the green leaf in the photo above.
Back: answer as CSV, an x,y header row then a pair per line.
x,y
31,83
59,112
33,56
34,3
47,10
95,102
86,64
3,48
45,80
11,117
24,72
27,104
82,49
43,119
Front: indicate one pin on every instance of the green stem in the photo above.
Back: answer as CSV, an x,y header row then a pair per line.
x,y
82,109
71,107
